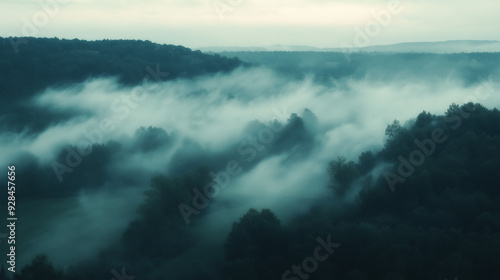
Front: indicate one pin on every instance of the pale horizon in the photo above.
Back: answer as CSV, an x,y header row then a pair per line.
x,y
196,24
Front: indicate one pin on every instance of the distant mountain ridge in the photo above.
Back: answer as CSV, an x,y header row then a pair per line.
x,y
454,46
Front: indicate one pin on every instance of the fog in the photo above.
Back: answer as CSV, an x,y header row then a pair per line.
x,y
210,121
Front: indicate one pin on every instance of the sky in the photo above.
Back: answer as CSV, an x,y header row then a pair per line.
x,y
205,23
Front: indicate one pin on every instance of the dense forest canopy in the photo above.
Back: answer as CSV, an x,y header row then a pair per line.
x,y
442,221
281,165
37,63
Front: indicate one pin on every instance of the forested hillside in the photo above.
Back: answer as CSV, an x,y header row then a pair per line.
x,y
139,160
437,217
32,64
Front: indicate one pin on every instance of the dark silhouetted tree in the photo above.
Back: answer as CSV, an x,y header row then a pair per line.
x,y
342,174
39,269
257,247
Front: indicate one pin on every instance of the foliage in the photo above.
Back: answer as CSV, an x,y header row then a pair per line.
x,y
43,62
39,269
342,174
256,247
442,220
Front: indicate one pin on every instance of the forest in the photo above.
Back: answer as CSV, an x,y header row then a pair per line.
x,y
43,62
368,171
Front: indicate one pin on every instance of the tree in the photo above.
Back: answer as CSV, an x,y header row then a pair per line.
x,y
257,243
366,162
424,119
151,138
342,174
393,129
160,231
39,269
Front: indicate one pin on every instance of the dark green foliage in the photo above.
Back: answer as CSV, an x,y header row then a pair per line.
x,y
91,172
161,232
342,174
43,62
292,135
366,162
256,247
152,138
441,222
393,130
39,269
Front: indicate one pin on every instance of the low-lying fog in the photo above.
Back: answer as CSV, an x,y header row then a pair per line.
x,y
210,121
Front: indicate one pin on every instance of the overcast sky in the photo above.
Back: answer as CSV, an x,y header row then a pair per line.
x,y
201,23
